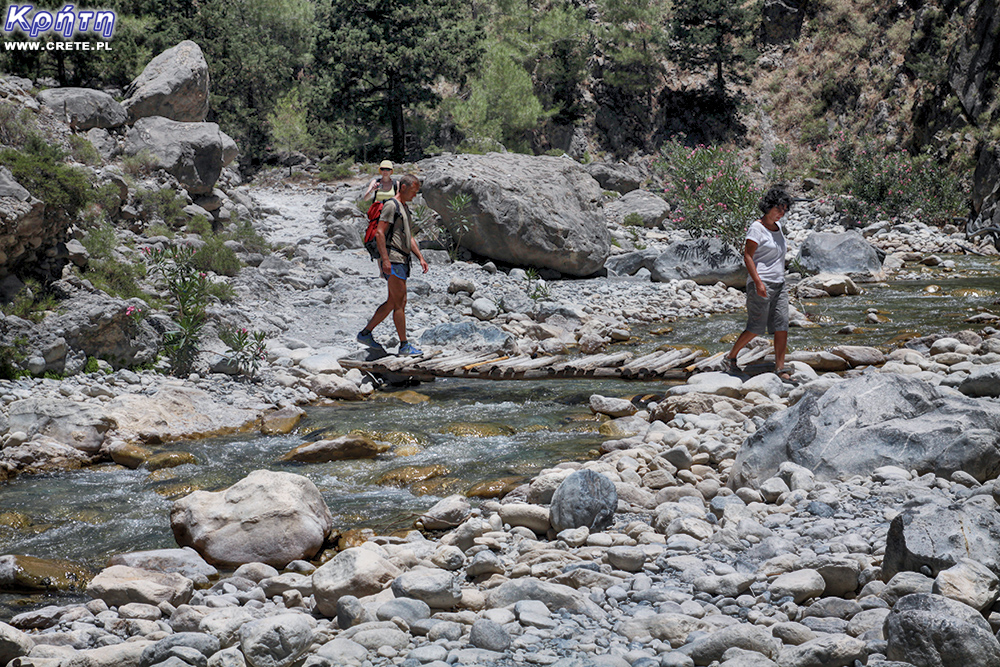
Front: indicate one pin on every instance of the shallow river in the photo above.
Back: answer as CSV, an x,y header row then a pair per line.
x,y
465,433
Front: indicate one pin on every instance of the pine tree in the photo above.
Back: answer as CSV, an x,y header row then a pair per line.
x,y
713,33
374,60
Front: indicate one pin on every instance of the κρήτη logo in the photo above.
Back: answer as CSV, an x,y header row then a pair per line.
x,y
66,22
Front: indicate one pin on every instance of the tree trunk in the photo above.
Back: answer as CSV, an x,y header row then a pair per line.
x,y
398,131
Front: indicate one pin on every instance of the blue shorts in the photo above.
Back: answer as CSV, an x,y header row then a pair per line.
x,y
398,269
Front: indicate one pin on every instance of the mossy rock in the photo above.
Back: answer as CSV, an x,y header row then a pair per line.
x,y
411,474
408,396
494,488
394,438
354,537
14,520
161,476
351,446
130,455
27,574
407,450
973,293
478,430
174,491
169,460
437,486
282,421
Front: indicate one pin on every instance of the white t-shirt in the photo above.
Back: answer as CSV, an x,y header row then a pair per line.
x,y
770,254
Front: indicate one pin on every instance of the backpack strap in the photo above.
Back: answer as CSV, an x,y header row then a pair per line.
x,y
396,214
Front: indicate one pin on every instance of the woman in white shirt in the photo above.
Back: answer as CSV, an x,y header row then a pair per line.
x,y
767,294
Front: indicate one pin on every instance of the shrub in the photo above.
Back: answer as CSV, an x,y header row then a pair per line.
x,y
217,257
249,238
632,220
11,358
16,125
779,155
329,171
890,183
37,168
159,229
247,348
163,204
30,303
142,163
712,192
222,291
100,241
199,225
117,278
83,151
188,289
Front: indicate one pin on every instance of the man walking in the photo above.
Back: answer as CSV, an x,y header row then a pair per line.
x,y
396,245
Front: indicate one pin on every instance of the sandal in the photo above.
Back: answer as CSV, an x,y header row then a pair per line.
x,y
731,367
786,377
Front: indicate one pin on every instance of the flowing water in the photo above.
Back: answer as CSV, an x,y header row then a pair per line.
x,y
466,432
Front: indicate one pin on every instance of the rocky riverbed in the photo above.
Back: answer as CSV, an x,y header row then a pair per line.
x,y
731,522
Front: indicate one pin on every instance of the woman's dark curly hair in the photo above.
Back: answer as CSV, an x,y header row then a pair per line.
x,y
775,197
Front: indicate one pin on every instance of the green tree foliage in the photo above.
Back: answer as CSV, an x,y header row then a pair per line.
x,y
375,60
255,50
502,103
713,33
633,41
552,40
289,123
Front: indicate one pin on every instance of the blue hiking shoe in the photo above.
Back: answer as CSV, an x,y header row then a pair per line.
x,y
368,340
408,350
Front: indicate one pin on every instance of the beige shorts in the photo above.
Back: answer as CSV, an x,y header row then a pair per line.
x,y
770,312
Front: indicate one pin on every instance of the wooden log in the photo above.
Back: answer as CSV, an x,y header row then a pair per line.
x,y
454,360
641,361
482,363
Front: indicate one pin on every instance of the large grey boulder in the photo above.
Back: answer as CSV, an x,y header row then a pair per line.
x,y
118,585
23,216
620,178
928,630
185,562
554,596
938,537
585,498
705,261
103,328
437,588
875,420
628,263
267,517
84,108
529,211
982,381
830,252
652,209
277,641
13,643
71,423
178,412
356,571
193,153
174,85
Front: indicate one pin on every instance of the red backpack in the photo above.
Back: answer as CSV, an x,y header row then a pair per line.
x,y
374,212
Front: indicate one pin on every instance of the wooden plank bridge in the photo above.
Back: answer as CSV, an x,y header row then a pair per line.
x,y
668,364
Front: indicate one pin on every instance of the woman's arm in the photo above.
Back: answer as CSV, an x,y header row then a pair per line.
x,y
748,250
